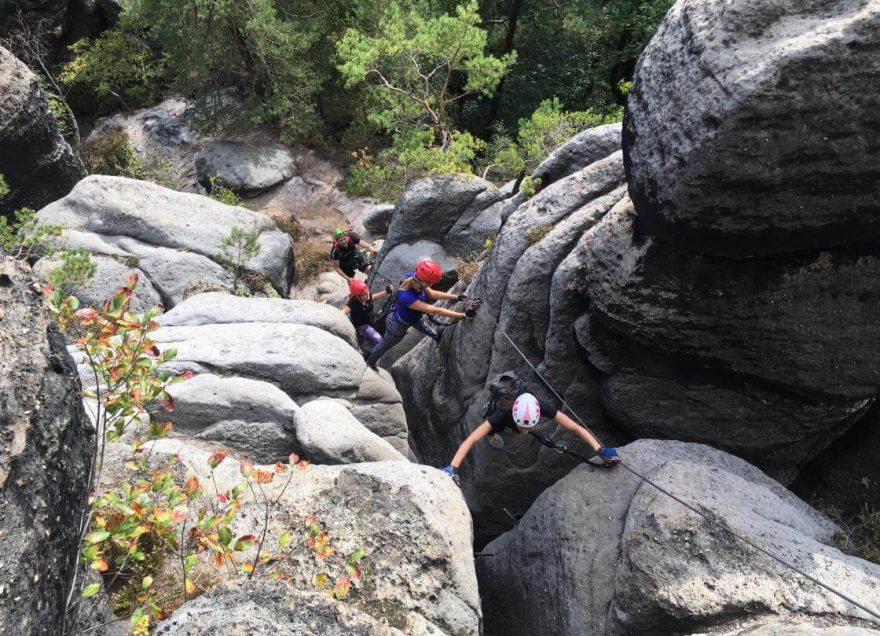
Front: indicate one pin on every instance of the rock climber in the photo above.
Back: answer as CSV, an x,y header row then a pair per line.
x,y
512,407
412,305
359,309
346,253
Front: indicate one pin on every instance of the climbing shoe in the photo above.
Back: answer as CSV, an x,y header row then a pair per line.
x,y
496,442
609,456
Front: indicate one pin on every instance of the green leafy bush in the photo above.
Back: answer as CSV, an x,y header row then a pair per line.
x,y
111,153
539,135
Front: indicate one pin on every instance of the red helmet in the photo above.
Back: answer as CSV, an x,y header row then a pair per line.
x,y
429,272
357,287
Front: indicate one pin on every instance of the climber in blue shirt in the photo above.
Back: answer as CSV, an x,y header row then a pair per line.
x,y
412,304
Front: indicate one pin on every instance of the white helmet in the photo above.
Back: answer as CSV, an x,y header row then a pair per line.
x,y
526,411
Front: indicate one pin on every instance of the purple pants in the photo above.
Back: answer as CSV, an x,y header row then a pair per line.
x,y
369,335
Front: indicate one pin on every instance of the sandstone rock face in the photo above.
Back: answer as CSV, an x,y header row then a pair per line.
x,y
778,341
263,606
531,284
244,168
254,417
276,354
846,475
439,217
378,219
578,152
171,237
731,300
604,552
329,434
44,462
410,520
748,128
36,162
216,308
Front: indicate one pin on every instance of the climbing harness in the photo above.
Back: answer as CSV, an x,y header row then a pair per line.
x,y
692,508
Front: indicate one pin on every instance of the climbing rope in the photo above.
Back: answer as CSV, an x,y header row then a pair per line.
x,y
687,505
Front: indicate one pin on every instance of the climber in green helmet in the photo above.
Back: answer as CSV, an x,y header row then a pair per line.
x,y
346,253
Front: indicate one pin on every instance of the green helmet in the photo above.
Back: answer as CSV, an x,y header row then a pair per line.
x,y
338,233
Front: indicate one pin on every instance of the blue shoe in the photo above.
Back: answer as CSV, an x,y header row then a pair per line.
x,y
609,456
496,442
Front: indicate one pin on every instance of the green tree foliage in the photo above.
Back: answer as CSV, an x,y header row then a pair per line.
x,y
238,248
547,128
202,48
4,187
416,70
118,67
575,50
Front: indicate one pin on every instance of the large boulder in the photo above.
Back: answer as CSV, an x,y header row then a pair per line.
x,y
605,552
278,353
110,275
173,237
44,465
36,162
532,290
378,219
329,434
303,360
780,343
410,520
749,129
440,217
245,168
578,152
254,417
216,308
264,606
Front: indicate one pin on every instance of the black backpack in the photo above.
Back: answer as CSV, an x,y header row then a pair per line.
x,y
506,383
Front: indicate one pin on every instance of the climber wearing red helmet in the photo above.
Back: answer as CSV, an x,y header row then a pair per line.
x,y
415,291
360,309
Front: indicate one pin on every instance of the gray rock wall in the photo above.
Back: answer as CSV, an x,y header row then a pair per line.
x,y
44,461
36,162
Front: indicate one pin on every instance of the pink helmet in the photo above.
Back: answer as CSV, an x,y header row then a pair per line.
x,y
429,272
357,287
526,411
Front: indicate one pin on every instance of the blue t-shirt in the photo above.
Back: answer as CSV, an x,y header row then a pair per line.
x,y
404,300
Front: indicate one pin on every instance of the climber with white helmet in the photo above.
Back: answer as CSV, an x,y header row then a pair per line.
x,y
412,305
511,407
347,255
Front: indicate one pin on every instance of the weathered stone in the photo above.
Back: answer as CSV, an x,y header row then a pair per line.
x,y
115,207
264,606
110,275
242,167
301,359
604,552
398,262
255,418
410,520
44,463
800,322
749,129
846,476
378,219
442,387
329,434
215,308
36,162
578,152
